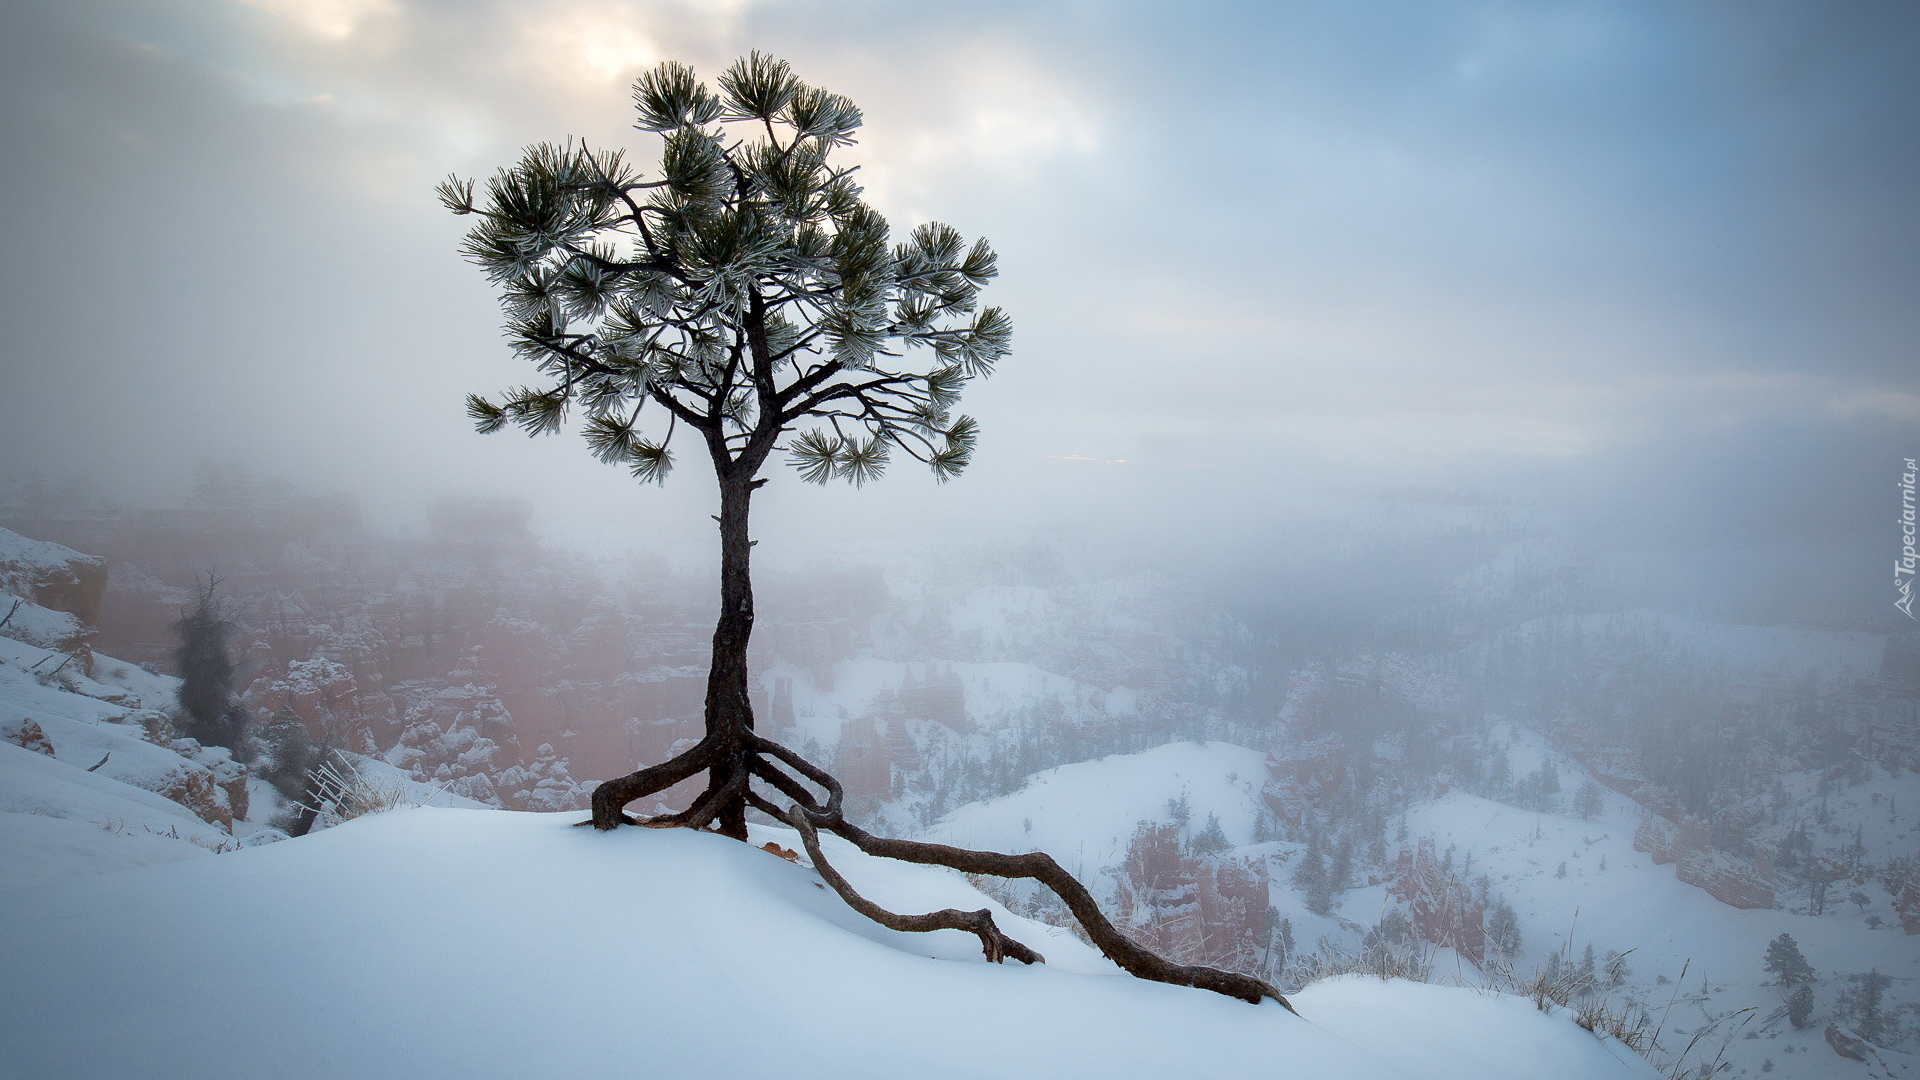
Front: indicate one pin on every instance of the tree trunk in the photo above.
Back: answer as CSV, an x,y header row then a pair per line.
x,y
729,710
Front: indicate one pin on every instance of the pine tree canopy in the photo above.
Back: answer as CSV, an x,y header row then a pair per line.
x,y
1786,962
743,289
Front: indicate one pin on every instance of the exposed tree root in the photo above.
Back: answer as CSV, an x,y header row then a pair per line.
x,y
995,944
809,814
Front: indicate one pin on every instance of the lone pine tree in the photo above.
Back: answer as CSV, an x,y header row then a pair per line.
x,y
745,298
208,711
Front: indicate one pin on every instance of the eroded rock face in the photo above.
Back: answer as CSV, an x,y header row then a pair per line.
x,y
204,779
1443,909
195,790
1303,775
55,577
28,734
1684,843
1192,909
230,777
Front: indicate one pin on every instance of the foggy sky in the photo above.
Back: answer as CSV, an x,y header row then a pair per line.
x,y
1652,266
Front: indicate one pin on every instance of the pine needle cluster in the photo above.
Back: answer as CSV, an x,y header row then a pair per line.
x,y
741,289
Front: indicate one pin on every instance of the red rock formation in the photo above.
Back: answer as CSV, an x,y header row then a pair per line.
x,y
1196,910
864,764
55,577
1440,907
26,733
1303,775
1724,877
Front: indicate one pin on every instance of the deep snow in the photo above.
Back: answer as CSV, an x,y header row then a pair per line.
x,y
429,943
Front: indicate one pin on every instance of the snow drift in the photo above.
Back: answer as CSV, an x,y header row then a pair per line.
x,y
457,943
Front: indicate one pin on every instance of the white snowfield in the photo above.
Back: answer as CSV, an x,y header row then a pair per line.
x,y
1084,814
428,943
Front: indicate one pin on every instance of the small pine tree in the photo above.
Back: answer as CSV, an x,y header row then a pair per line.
x,y
1282,942
288,758
1503,929
1786,963
1863,1005
1549,778
1589,801
1386,941
1614,970
1262,827
1311,878
1800,1006
208,711
1211,839
287,753
1342,869
1180,811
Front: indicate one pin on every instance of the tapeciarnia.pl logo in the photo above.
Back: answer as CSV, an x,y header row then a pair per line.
x,y
1903,566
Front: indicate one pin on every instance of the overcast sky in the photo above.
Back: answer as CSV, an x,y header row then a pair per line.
x,y
1656,264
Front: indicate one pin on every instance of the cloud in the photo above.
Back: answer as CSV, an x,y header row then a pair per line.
x,y
326,20
1258,251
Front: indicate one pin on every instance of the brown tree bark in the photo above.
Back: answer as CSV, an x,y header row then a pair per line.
x,y
729,707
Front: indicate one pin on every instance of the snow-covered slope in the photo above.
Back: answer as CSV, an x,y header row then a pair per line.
x,y
433,943
1084,814
83,789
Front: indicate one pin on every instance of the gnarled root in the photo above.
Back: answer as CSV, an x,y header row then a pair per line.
x,y
809,814
995,944
1133,958
611,798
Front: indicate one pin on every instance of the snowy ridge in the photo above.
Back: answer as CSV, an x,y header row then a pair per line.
x,y
514,945
1085,814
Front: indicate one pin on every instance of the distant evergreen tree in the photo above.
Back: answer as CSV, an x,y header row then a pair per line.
x,y
1387,940
1614,970
1282,947
208,711
1503,929
1211,839
1311,878
1262,827
1864,1005
288,758
1800,1006
1786,963
1589,801
1180,811
1341,871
